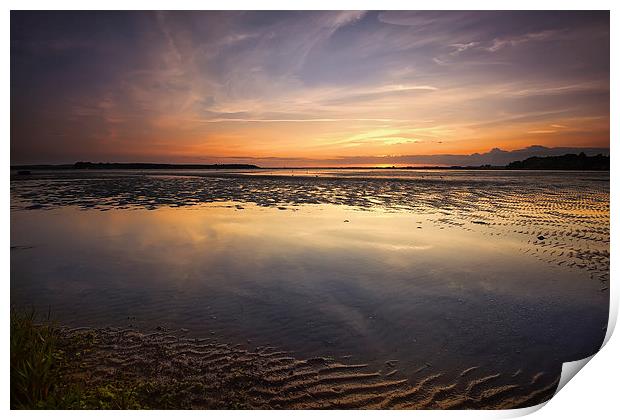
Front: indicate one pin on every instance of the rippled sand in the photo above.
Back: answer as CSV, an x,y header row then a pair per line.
x,y
203,373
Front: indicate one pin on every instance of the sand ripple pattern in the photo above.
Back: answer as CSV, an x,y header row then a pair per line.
x,y
268,378
560,218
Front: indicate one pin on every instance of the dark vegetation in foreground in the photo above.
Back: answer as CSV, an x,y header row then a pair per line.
x,y
34,361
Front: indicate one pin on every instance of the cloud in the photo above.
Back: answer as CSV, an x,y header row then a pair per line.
x,y
293,83
499,43
542,131
373,94
299,120
422,19
587,86
459,48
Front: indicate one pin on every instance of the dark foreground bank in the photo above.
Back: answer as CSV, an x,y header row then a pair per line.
x,y
61,368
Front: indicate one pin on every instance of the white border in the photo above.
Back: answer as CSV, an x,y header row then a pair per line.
x,y
592,394
312,5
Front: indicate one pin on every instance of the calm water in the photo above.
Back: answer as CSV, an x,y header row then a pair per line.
x,y
439,270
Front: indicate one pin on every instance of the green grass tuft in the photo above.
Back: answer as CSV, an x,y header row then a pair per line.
x,y
34,360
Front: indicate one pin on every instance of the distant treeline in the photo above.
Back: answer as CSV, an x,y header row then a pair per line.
x,y
100,165
569,162
89,165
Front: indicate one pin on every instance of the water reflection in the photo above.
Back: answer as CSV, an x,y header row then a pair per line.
x,y
569,210
324,279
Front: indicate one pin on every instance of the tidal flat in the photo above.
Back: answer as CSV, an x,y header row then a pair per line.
x,y
335,288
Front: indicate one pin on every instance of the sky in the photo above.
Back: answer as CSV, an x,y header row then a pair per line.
x,y
304,88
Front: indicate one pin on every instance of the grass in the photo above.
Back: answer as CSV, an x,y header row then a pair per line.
x,y
37,363
34,360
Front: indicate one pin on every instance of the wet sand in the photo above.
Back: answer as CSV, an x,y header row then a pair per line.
x,y
204,374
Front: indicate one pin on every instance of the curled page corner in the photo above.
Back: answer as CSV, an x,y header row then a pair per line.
x,y
570,369
520,412
613,317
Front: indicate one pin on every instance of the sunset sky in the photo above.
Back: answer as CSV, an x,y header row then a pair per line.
x,y
304,88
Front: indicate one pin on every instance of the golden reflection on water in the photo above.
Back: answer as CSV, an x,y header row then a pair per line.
x,y
212,235
183,237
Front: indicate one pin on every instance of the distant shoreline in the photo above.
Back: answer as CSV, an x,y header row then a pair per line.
x,y
90,165
568,162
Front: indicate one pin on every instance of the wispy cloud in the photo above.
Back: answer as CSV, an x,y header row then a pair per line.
x,y
499,43
459,48
299,120
542,131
